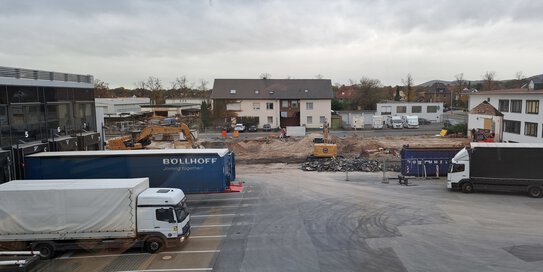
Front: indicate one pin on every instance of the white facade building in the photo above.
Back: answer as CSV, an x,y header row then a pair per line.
x,y
522,112
121,106
431,111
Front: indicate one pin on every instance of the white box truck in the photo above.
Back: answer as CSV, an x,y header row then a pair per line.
x,y
358,122
378,121
55,215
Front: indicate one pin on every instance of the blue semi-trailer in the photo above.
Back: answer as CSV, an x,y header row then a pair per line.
x,y
191,170
426,162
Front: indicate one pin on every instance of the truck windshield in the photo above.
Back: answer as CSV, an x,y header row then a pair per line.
x,y
181,212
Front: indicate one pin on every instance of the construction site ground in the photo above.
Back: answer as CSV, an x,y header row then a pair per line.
x,y
271,148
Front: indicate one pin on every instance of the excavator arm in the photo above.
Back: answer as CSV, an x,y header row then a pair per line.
x,y
144,137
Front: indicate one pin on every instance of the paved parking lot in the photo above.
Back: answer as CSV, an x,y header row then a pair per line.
x,y
289,220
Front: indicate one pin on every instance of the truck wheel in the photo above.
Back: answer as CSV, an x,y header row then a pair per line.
x,y
535,191
467,187
45,251
154,245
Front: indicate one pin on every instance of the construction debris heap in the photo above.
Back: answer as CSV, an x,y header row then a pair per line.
x,y
339,164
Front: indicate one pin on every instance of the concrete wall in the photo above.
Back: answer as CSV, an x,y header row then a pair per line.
x,y
432,117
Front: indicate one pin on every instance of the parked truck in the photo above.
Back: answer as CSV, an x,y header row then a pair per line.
x,y
48,216
499,167
191,170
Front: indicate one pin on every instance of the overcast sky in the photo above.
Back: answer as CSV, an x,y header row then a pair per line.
x,y
122,42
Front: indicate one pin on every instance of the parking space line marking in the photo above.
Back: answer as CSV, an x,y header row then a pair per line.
x,y
210,226
173,269
139,254
102,256
212,215
222,199
222,206
192,251
206,236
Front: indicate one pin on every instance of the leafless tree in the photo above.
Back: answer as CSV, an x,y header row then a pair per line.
x,y
459,81
488,79
154,86
408,82
101,89
519,76
265,76
203,85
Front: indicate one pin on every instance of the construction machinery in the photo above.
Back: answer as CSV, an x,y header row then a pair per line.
x,y
144,138
323,148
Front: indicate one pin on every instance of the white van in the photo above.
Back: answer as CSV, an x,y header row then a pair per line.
x,y
410,121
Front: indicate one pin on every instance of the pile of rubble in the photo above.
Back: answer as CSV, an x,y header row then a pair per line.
x,y
350,165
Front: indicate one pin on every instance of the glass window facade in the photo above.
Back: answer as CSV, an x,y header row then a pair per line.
x,y
516,106
532,106
416,109
503,105
30,113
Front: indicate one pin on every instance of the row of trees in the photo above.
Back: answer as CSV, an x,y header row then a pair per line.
x,y
368,92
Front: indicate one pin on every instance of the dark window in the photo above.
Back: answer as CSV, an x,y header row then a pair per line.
x,y
401,109
530,129
22,94
58,94
416,109
269,106
532,106
59,115
84,94
164,215
27,122
516,106
3,115
431,109
511,126
386,110
83,116
504,105
3,95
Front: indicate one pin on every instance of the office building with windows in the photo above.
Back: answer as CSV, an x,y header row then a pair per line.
x,y
432,111
522,111
44,111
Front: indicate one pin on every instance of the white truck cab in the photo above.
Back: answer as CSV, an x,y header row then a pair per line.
x,y
394,121
410,121
459,169
163,212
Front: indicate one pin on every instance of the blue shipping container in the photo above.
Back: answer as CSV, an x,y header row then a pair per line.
x,y
192,170
422,162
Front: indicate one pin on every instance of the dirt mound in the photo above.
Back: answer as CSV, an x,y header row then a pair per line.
x,y
294,150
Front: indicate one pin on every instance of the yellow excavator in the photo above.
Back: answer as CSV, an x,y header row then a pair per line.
x,y
144,137
323,148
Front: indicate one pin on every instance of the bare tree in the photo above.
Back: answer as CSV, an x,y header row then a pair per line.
x,y
519,76
154,86
408,82
367,93
101,89
488,79
203,85
265,76
459,81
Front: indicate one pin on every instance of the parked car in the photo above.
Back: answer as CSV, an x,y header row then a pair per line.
x,y
450,122
266,127
240,127
252,128
423,121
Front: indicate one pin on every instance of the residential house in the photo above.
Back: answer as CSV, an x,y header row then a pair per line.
x,y
278,102
485,116
522,111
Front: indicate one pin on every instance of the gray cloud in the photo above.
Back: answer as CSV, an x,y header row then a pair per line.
x,y
122,42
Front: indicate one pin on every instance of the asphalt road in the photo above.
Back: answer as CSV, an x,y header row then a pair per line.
x,y
290,220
